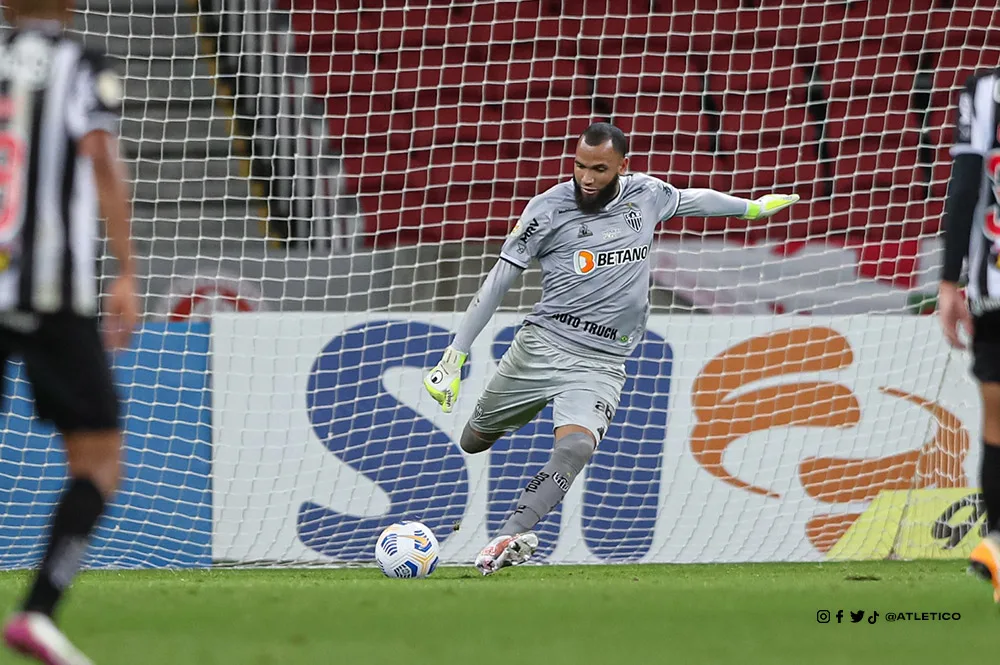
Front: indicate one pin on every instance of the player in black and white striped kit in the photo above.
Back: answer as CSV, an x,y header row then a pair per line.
x,y
972,230
59,112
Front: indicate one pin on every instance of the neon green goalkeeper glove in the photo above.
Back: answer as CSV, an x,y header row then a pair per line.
x,y
768,205
443,381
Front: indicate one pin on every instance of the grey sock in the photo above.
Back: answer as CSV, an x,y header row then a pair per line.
x,y
547,489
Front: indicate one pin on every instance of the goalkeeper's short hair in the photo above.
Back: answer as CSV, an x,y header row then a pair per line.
x,y
601,132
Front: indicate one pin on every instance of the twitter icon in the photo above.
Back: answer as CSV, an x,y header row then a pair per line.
x,y
857,616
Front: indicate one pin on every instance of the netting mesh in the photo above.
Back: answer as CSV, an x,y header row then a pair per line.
x,y
432,124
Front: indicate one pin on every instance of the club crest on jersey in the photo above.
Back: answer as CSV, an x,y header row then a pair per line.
x,y
633,217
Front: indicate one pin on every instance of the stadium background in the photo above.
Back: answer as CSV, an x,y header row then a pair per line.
x,y
358,163
386,141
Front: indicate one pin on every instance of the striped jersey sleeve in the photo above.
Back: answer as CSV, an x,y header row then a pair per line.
x,y
98,99
974,117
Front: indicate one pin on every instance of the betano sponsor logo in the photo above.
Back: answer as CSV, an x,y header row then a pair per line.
x,y
586,261
727,409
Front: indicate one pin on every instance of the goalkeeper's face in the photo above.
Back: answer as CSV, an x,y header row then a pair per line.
x,y
595,175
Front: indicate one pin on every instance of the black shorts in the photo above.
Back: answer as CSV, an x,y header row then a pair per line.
x,y
986,347
69,370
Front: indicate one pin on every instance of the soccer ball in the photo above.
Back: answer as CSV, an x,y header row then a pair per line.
x,y
407,549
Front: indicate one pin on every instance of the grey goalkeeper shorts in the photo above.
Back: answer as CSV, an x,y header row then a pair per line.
x,y
535,370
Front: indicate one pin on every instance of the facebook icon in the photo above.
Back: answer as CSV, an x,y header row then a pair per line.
x,y
840,615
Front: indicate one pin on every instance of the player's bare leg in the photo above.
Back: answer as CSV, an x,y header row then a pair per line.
x,y
985,558
94,471
515,543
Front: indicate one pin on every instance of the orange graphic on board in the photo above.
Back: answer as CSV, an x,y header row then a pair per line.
x,y
727,411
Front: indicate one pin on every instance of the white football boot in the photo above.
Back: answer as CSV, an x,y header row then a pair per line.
x,y
506,551
34,635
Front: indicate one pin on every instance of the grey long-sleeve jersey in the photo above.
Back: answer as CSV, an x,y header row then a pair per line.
x,y
595,267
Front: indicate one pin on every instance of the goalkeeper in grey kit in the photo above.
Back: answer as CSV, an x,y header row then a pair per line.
x,y
591,237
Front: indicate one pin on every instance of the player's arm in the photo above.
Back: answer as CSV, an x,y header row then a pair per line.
x,y
711,203
697,202
968,153
524,243
113,195
93,118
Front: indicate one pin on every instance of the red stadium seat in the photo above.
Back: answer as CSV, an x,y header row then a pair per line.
x,y
855,69
380,4
415,27
697,33
669,33
769,170
859,170
524,37
477,168
897,28
755,121
402,218
530,129
940,127
963,27
555,121
661,123
354,120
878,121
539,79
612,36
329,30
387,182
714,30
691,6
339,74
487,171
524,176
730,29
807,220
373,173
953,69
447,125
687,169
923,218
865,214
798,26
597,9
652,74
941,172
763,71
491,218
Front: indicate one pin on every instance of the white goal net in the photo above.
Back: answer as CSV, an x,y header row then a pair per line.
x,y
321,186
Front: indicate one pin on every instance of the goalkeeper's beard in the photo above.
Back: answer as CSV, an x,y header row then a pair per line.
x,y
592,204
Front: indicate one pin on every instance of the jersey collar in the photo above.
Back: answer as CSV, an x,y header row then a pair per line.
x,y
621,191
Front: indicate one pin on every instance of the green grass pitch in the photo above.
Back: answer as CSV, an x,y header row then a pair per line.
x,y
745,614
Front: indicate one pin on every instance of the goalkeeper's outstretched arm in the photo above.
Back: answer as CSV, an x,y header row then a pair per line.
x,y
710,203
444,380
